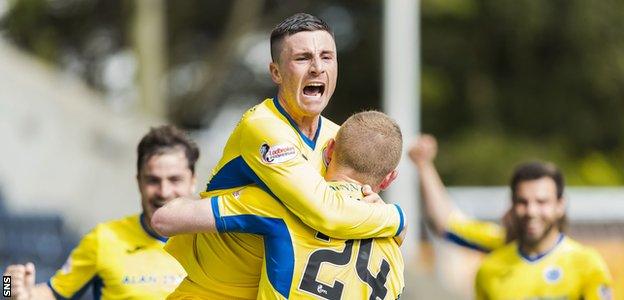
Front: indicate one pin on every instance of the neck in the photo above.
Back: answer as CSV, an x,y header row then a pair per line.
x,y
306,124
543,246
344,174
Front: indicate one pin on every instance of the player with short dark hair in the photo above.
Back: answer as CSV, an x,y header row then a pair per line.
x,y
124,258
280,146
542,263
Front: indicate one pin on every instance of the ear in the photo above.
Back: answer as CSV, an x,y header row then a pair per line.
x,y
329,151
275,74
387,181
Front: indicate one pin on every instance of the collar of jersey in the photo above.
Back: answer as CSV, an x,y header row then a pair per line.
x,y
150,232
535,258
308,141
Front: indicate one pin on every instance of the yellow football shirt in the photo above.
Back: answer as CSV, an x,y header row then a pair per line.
x,y
122,260
302,263
267,149
568,271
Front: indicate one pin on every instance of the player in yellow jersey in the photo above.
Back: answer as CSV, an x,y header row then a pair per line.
x,y
300,262
542,263
124,259
279,146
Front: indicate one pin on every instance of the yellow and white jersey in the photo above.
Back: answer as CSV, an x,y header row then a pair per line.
x,y
568,271
302,263
122,260
267,149
475,234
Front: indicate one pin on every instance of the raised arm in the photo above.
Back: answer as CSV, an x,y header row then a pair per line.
x,y
444,217
437,203
292,180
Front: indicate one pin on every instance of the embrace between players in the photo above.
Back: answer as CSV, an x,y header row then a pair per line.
x,y
283,215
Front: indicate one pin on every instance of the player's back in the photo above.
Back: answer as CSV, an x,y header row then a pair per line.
x,y
568,271
301,263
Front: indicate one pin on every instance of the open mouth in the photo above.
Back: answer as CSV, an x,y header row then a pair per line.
x,y
314,89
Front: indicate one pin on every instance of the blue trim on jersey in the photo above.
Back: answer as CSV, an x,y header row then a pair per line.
x,y
237,173
308,141
539,256
98,285
149,231
232,174
279,254
402,220
464,243
219,224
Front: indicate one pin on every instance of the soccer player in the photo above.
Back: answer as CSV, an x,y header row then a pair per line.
x,y
280,146
542,263
300,262
125,258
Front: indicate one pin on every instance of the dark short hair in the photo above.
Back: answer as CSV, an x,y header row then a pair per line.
x,y
163,139
536,170
296,23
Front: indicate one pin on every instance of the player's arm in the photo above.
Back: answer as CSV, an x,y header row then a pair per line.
x,y
442,215
306,194
23,283
183,215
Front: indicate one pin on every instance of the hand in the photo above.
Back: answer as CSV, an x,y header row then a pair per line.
x,y
22,280
370,196
423,149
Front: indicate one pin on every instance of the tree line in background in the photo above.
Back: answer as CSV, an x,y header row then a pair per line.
x,y
502,81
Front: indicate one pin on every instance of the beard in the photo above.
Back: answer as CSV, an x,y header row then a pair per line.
x,y
532,241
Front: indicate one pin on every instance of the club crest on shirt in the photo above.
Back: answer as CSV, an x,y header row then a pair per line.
x,y
278,153
605,293
553,274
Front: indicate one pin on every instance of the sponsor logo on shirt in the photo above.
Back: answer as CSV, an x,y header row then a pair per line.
x,y
278,153
553,274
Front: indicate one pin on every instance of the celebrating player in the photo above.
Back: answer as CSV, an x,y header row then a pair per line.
x,y
542,263
298,258
279,145
125,258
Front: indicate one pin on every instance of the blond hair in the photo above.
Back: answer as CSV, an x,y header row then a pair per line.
x,y
369,143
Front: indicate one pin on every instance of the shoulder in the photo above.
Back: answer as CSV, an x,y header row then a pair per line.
x,y
584,254
116,227
329,125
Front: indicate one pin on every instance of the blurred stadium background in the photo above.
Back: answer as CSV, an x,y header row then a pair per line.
x,y
501,81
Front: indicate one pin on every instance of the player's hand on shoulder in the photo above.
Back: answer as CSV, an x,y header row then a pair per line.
x,y
423,149
22,280
370,196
